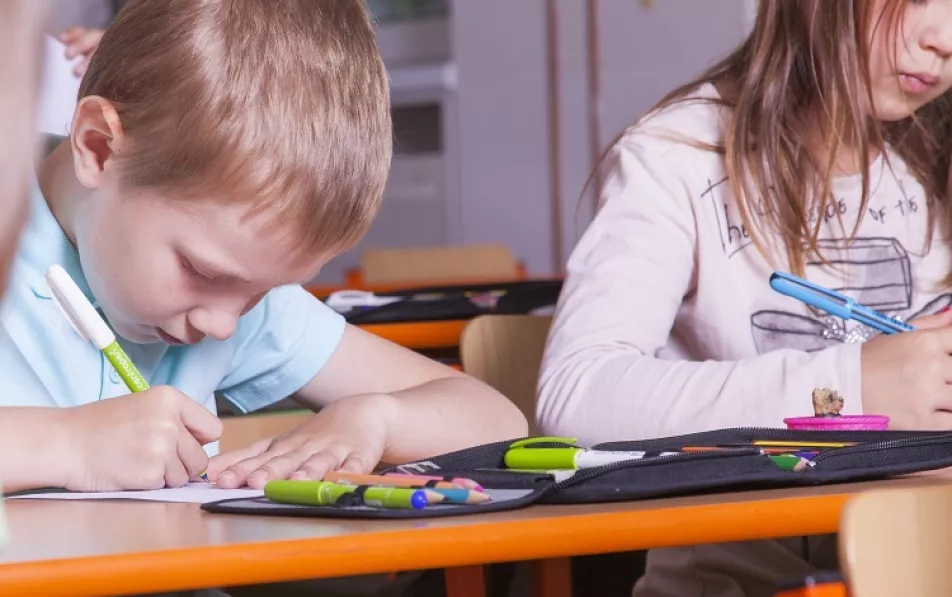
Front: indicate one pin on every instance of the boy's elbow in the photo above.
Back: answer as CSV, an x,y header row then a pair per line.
x,y
497,417
512,421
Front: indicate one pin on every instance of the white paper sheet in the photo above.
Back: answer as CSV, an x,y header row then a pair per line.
x,y
193,493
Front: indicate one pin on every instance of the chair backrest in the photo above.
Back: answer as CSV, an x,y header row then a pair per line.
x,y
898,542
436,264
505,351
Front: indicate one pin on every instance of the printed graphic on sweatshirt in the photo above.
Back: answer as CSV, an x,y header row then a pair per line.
x,y
735,237
880,276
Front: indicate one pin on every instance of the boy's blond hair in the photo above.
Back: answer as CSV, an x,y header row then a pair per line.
x,y
282,102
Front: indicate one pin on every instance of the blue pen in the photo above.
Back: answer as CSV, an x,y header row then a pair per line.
x,y
835,303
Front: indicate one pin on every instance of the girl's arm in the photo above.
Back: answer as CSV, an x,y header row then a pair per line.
x,y
605,375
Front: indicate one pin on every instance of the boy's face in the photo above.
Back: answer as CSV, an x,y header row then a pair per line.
x,y
910,63
177,271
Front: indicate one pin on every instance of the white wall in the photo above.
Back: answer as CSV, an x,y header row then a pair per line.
x,y
498,179
499,50
499,47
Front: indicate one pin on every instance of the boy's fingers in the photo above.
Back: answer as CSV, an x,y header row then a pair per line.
x,y
192,455
279,467
218,464
356,463
317,466
175,473
237,474
200,422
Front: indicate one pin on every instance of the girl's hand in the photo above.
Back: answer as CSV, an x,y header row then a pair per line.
x,y
81,41
348,435
907,376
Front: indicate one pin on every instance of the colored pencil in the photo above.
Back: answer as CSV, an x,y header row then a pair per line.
x,y
461,481
462,496
385,481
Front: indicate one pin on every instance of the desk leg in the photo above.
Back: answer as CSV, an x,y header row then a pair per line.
x,y
552,577
465,581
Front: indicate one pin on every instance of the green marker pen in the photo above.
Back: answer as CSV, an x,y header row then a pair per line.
x,y
570,458
90,325
325,493
87,322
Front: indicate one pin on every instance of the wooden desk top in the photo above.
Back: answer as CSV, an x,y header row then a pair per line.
x,y
124,547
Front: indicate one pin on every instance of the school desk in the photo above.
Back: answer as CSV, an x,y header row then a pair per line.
x,y
120,548
321,290
420,335
436,325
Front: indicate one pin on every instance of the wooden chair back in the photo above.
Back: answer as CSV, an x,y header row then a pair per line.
x,y
505,351
898,542
434,265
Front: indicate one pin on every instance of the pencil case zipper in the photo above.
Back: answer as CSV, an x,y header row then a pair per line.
x,y
908,442
658,445
588,474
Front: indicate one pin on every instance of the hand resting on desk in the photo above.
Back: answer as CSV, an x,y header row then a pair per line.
x,y
347,435
377,401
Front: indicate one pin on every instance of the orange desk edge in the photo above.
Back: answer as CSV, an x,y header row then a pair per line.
x,y
528,536
420,335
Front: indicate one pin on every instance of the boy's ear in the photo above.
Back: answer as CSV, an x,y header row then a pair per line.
x,y
96,136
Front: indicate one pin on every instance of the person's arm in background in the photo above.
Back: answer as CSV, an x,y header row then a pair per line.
x,y
601,377
73,448
21,26
81,42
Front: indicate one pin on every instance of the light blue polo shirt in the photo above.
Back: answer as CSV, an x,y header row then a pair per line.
x,y
278,346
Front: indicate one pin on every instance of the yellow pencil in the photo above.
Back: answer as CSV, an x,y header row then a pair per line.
x,y
804,444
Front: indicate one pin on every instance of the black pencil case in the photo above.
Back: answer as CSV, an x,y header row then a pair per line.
x,y
875,455
439,303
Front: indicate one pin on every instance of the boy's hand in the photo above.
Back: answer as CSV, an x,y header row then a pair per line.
x,y
350,435
907,376
148,440
80,41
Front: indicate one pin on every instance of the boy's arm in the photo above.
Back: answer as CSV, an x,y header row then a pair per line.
x,y
378,402
32,448
147,440
432,408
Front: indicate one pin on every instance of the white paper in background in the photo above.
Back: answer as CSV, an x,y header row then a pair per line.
x,y
59,89
193,493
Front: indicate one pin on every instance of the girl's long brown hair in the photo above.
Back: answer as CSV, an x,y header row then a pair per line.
x,y
803,72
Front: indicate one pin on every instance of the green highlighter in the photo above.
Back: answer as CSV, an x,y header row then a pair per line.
x,y
325,493
81,314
